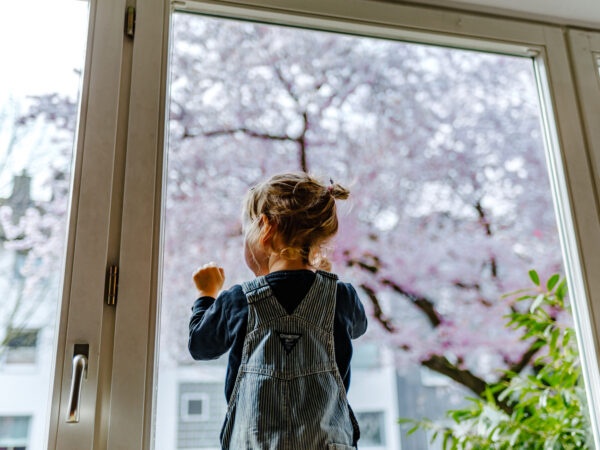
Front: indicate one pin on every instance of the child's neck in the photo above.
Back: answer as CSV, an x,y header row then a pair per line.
x,y
277,263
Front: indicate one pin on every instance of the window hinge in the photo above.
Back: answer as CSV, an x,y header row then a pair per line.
x,y
112,285
130,21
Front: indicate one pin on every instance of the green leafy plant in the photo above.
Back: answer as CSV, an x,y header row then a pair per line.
x,y
540,408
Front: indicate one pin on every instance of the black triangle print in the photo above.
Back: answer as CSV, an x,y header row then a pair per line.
x,y
288,340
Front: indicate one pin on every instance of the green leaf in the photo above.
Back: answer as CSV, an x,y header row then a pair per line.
x,y
566,339
561,290
513,293
447,438
554,339
536,303
534,277
514,437
412,430
552,281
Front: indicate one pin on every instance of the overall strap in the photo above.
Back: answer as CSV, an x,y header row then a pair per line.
x,y
318,306
256,289
262,304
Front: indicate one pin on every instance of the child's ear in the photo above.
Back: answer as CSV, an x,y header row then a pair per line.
x,y
267,231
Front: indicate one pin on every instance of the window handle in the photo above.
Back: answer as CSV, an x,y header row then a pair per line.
x,y
79,374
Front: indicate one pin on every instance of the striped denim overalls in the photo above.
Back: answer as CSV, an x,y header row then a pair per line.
x,y
289,394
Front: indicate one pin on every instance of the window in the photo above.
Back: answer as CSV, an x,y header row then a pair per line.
x,y
14,432
194,407
21,346
372,428
201,410
366,356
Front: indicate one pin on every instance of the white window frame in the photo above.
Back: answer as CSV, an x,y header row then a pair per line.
x,y
93,233
184,412
570,167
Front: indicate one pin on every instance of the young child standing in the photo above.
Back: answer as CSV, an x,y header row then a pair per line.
x,y
289,330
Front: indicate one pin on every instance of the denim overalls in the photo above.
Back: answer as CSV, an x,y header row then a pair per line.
x,y
288,394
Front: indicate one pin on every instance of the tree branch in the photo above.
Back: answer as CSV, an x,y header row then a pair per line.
x,y
477,385
423,303
302,144
437,363
441,364
288,86
473,287
483,220
301,139
526,357
377,310
247,131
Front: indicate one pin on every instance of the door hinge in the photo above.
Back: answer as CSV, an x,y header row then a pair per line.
x,y
112,285
130,21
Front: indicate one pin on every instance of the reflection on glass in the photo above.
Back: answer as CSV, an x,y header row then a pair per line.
x,y
39,97
450,209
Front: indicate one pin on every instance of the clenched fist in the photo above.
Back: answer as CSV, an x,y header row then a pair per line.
x,y
209,279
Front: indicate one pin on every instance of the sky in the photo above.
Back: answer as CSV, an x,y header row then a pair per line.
x,y
41,42
42,49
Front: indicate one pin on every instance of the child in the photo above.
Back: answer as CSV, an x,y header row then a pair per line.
x,y
289,330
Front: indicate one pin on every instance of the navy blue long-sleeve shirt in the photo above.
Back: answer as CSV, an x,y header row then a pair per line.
x,y
219,325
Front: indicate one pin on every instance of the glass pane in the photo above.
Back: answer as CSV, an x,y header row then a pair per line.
x,y
450,209
39,99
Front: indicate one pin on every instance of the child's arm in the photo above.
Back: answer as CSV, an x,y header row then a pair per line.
x,y
208,329
359,318
208,333
350,311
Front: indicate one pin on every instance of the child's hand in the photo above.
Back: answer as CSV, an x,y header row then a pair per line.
x,y
209,279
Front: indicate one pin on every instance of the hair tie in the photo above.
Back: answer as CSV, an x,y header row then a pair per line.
x,y
330,187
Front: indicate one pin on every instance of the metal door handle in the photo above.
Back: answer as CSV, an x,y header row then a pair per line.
x,y
79,374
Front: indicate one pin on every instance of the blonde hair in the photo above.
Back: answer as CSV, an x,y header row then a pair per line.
x,y
302,208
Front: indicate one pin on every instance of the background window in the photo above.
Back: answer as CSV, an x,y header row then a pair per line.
x,y
21,346
366,356
14,432
372,428
201,412
194,407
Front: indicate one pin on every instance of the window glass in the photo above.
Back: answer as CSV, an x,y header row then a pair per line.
x,y
450,205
